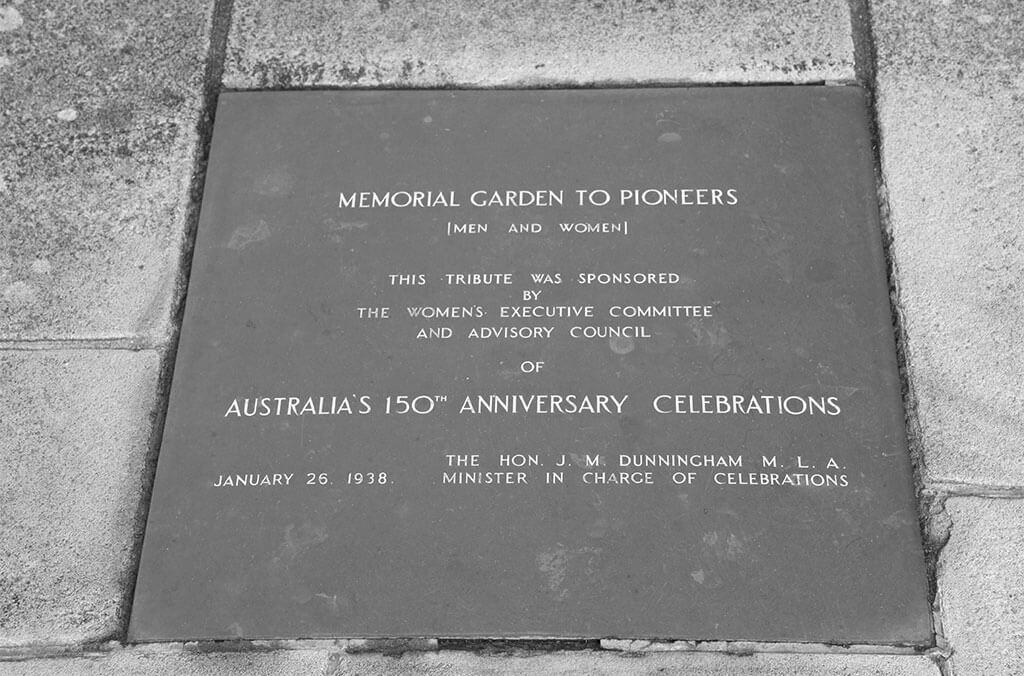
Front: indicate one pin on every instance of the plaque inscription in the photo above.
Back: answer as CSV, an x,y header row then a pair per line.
x,y
537,363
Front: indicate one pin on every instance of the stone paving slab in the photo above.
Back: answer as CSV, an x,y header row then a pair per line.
x,y
981,586
951,109
146,662
405,43
99,104
74,433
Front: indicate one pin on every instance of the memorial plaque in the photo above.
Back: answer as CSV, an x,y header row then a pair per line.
x,y
611,363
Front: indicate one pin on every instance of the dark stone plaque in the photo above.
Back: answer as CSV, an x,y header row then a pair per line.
x,y
537,364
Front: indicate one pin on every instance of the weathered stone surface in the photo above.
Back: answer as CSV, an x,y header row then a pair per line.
x,y
74,431
951,106
981,585
99,105
525,42
148,662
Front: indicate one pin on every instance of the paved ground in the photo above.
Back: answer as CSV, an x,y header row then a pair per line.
x,y
105,114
